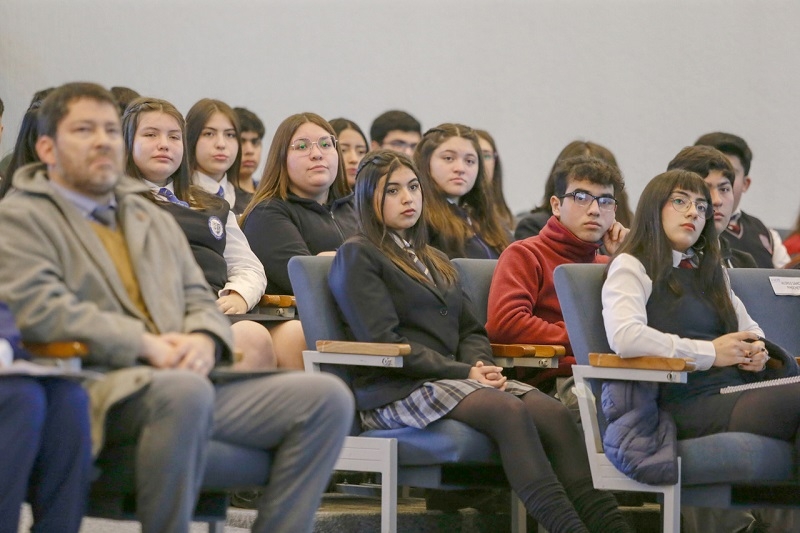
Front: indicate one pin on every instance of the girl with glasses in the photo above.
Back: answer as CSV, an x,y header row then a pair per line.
x,y
392,286
666,294
461,215
153,131
303,205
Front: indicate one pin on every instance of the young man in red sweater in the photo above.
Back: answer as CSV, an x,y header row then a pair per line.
x,y
523,306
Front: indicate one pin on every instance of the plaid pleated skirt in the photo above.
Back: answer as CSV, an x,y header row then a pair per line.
x,y
429,403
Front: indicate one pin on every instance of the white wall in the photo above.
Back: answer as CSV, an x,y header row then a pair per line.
x,y
643,77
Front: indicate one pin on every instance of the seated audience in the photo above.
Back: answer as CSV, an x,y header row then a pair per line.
x,y
214,153
251,137
523,306
395,130
494,177
46,443
113,270
390,286
532,223
460,211
352,145
746,232
303,205
154,135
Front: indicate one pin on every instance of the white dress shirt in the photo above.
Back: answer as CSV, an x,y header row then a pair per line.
x,y
625,294
245,272
211,185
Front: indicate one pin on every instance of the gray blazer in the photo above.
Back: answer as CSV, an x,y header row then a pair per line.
x,y
61,284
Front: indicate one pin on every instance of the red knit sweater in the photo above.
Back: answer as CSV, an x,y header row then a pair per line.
x,y
523,307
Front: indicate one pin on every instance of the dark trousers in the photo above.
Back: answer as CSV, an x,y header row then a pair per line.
x,y
45,452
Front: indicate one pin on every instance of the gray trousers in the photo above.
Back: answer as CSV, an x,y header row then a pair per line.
x,y
302,418
170,423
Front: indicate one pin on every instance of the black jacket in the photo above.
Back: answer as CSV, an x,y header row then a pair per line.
x,y
278,230
381,303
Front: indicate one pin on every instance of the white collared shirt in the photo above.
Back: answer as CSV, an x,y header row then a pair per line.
x,y
211,185
625,294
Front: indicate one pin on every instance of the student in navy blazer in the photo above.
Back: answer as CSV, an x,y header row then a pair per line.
x,y
391,286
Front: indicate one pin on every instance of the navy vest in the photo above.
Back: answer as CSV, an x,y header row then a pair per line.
x,y
692,317
205,230
753,237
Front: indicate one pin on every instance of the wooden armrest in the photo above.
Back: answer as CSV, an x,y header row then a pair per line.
x,y
528,350
610,360
57,350
363,348
278,300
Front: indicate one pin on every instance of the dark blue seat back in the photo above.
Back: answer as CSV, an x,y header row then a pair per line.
x,y
778,316
476,279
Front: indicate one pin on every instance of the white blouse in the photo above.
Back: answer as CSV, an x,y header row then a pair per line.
x,y
625,293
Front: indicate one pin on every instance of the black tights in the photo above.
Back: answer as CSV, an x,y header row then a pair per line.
x,y
771,412
533,432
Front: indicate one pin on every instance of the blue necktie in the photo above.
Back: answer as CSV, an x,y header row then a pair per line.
x,y
105,215
170,196
221,192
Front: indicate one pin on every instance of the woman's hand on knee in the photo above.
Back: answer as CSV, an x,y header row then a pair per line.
x,y
734,349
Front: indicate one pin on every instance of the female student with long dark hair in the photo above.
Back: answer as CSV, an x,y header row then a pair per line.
x,y
493,167
352,145
460,208
666,294
153,130
303,205
391,286
213,151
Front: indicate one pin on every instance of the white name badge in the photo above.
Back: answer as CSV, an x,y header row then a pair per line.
x,y
785,286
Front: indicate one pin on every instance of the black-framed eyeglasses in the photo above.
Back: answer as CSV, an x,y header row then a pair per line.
x,y
682,205
326,143
584,199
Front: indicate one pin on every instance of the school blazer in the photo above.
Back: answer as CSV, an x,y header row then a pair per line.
x,y
381,303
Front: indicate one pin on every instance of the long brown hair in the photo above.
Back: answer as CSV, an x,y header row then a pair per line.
x,y
648,242
181,183
275,179
479,202
500,204
375,170
197,118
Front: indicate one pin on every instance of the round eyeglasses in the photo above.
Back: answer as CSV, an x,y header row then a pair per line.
x,y
682,205
584,199
326,143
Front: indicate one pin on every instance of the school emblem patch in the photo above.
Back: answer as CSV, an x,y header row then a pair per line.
x,y
216,227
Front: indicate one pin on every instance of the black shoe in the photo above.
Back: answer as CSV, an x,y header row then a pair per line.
x,y
246,499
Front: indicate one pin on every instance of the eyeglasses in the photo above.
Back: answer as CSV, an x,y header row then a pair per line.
x,y
402,146
682,205
489,156
326,143
584,199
